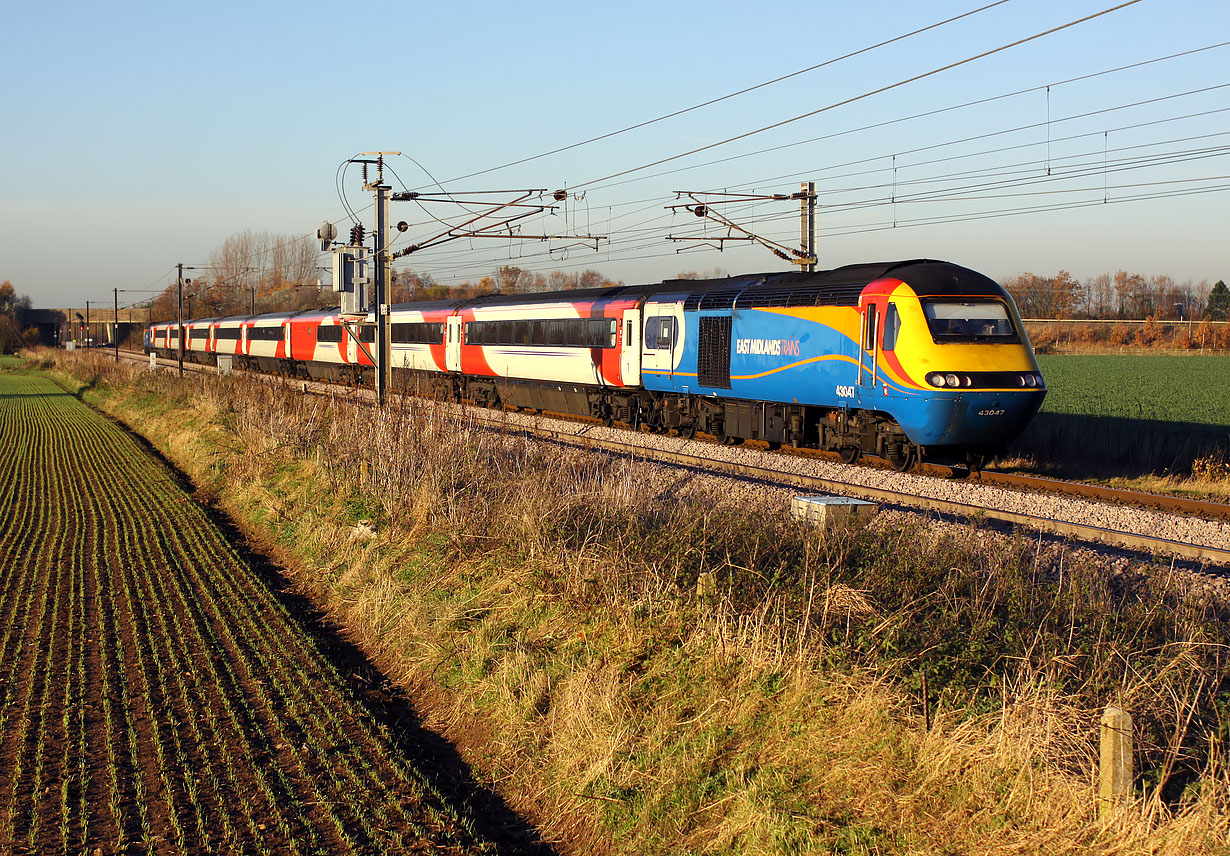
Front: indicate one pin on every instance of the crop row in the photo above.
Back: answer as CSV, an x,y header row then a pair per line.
x,y
1193,390
158,696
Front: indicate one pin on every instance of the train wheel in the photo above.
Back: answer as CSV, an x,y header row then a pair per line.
x,y
903,457
849,454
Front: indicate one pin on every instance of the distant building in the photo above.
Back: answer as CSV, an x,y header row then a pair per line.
x,y
50,324
57,326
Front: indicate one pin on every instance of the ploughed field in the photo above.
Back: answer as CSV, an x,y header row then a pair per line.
x,y
155,695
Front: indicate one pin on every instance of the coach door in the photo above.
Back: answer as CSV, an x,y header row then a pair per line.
x,y
881,324
630,356
662,342
350,339
452,343
869,350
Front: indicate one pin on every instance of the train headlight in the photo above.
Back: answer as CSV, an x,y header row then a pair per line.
x,y
965,380
952,379
1031,380
935,379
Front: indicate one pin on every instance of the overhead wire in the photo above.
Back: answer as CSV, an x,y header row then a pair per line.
x,y
611,248
612,251
877,91
760,181
622,250
731,95
923,115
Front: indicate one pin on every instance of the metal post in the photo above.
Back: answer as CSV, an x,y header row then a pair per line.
x,y
380,281
115,336
807,223
179,316
87,342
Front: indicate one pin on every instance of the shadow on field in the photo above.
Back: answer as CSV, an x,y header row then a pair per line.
x,y
434,757
1091,446
12,396
431,755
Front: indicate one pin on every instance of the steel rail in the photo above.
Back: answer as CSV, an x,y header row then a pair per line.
x,y
1100,493
1012,481
1085,532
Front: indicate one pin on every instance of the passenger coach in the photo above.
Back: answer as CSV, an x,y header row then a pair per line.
x,y
897,359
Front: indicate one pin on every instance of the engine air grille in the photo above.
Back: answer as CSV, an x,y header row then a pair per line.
x,y
713,352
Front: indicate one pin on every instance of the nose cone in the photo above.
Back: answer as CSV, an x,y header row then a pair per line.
x,y
990,418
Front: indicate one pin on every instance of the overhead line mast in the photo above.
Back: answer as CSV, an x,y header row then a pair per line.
x,y
350,261
804,256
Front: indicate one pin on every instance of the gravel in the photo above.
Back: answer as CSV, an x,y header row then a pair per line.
x,y
1212,579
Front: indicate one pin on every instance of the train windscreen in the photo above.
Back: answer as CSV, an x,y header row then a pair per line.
x,y
970,321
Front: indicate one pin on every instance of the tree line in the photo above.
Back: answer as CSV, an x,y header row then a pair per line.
x,y
253,272
247,273
1118,296
15,329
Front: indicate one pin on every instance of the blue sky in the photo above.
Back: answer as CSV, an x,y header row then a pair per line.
x,y
138,135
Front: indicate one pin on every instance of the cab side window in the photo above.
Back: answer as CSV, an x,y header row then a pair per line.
x,y
869,328
892,326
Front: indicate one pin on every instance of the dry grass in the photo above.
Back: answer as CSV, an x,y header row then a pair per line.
x,y
551,599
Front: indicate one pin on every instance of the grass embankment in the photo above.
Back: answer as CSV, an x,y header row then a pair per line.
x,y
544,610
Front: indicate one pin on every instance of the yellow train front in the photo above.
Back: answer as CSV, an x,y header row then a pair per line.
x,y
943,351
898,359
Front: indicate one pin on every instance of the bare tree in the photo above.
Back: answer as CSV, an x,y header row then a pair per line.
x,y
234,264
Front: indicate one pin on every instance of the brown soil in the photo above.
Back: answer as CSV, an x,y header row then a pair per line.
x,y
162,693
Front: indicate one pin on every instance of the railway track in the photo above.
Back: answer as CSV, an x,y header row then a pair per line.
x,y
1216,554
1213,548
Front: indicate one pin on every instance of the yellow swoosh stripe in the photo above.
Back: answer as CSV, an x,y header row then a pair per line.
x,y
841,357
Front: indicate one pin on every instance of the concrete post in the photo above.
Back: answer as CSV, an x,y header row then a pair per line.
x,y
1116,765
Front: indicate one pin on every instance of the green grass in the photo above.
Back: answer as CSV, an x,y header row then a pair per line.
x,y
552,600
1129,416
1167,388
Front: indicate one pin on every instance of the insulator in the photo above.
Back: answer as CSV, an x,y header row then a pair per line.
x,y
700,210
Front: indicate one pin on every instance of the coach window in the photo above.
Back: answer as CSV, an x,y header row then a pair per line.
x,y
666,333
892,326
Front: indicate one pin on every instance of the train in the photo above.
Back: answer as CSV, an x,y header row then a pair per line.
x,y
904,360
